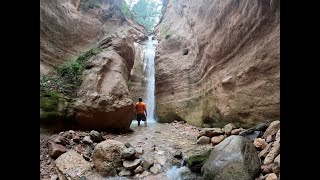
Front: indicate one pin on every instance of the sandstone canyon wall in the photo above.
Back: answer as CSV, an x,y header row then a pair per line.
x,y
65,30
218,61
69,27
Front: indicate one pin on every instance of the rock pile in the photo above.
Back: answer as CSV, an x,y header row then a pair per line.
x,y
266,140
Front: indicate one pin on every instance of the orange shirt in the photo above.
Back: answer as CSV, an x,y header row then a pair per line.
x,y
141,107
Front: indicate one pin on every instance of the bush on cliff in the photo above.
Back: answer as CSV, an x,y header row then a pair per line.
x,y
57,93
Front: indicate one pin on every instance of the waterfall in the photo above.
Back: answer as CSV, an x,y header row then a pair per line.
x,y
149,71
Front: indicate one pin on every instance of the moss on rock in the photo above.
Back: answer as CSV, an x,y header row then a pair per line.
x,y
195,162
56,110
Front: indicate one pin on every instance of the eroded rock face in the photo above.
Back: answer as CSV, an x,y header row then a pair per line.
x,y
65,30
232,68
68,27
234,157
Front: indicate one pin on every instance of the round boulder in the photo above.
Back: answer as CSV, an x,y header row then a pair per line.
x,y
234,157
107,157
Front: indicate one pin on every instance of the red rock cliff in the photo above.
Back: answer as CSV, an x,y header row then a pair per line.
x,y
218,61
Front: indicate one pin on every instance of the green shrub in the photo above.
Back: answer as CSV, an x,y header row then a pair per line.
x,y
72,70
49,101
165,32
70,75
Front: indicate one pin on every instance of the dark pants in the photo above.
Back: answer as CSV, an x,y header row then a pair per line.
x,y
141,117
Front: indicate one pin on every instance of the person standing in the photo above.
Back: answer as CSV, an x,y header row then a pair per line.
x,y
141,112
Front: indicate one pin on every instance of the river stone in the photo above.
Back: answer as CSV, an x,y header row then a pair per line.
x,y
139,150
161,159
128,153
276,165
234,157
272,129
76,139
55,150
265,169
71,165
274,152
246,132
260,143
155,169
236,131
96,136
147,163
265,151
271,176
270,138
177,154
217,139
59,140
210,132
278,136
176,162
82,149
106,157
250,134
203,140
139,169
131,164
125,172
228,128
87,140
261,127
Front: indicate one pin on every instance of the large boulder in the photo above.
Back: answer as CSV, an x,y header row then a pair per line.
x,y
106,157
71,165
233,158
107,104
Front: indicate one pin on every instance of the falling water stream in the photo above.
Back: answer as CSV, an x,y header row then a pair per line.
x,y
149,71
